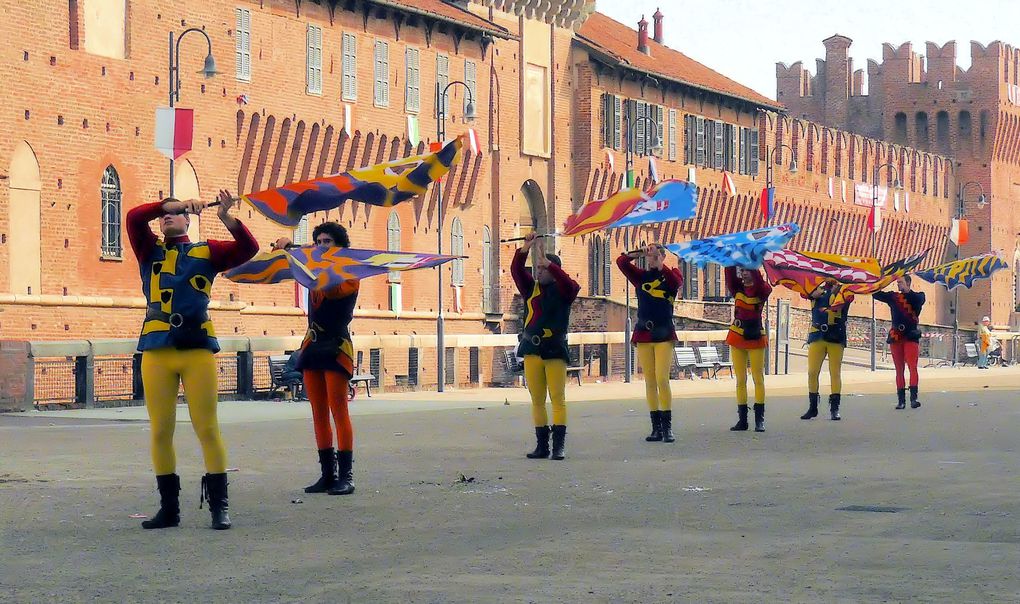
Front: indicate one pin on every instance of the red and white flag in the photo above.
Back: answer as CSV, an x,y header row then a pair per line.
x,y
174,131
727,184
960,233
830,187
875,219
653,170
896,201
473,142
906,201
610,161
692,175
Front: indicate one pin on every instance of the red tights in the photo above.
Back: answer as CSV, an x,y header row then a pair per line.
x,y
905,353
327,391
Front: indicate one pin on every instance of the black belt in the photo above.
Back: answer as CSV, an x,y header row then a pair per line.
x,y
175,319
824,327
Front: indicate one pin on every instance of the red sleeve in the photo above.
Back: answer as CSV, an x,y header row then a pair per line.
x,y
568,287
348,287
674,279
633,274
142,239
521,276
732,283
760,286
228,254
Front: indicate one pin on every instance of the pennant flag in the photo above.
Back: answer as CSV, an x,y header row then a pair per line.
x,y
347,119
964,272
746,249
412,130
896,201
610,161
830,187
317,268
842,186
384,185
174,130
875,219
906,201
473,141
692,175
959,234
768,202
666,201
727,184
653,170
802,272
630,179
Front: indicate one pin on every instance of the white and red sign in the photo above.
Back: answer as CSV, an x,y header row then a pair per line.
x,y
175,129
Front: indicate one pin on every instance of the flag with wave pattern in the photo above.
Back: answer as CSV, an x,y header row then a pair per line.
x,y
745,249
802,272
963,272
665,201
318,268
384,184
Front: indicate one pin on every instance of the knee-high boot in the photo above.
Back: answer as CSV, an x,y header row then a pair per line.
x,y
656,435
541,443
214,490
345,474
327,464
666,425
914,403
169,513
901,398
559,438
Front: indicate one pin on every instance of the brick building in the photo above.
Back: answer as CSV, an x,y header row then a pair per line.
x,y
929,102
317,87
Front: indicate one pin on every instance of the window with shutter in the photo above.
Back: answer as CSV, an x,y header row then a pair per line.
x,y
457,249
743,150
606,115
693,278
443,79
470,73
690,135
412,88
720,145
488,303
607,268
640,110
672,134
382,74
661,140
594,266
393,241
350,67
242,44
314,60
617,122
699,154
753,155
734,133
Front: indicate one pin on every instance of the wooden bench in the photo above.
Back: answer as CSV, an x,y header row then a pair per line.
x,y
277,369
971,354
711,359
575,370
685,360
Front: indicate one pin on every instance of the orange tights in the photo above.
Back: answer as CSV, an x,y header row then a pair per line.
x,y
327,391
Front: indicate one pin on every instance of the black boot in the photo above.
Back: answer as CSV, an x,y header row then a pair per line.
x,y
914,403
214,490
656,434
901,398
759,417
812,410
345,477
542,447
741,424
559,438
666,424
327,463
169,513
834,407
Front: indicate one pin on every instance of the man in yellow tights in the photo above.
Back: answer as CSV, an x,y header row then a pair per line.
x,y
178,341
547,298
654,335
827,338
748,340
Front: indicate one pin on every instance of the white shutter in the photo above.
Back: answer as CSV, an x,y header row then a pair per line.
x,y
699,157
242,44
412,85
469,79
639,127
753,158
734,147
443,79
350,67
672,134
382,74
314,59
658,128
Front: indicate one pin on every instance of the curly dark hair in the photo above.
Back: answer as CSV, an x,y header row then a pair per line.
x,y
334,230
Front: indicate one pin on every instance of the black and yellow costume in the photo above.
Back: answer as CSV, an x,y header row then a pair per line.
x,y
827,338
177,345
544,348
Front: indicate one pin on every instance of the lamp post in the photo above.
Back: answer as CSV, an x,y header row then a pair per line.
x,y
960,212
630,120
469,113
208,70
874,245
770,156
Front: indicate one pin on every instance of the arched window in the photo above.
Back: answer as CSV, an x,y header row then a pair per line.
x,y
607,268
488,303
111,194
594,265
966,132
393,241
921,130
457,249
942,130
900,128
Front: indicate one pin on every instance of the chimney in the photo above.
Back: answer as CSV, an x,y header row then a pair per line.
x,y
657,19
642,36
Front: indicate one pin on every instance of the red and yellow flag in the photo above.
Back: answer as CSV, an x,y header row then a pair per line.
x,y
598,215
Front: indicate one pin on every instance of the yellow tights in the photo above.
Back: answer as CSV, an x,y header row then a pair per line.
x,y
817,351
740,358
546,375
163,370
656,359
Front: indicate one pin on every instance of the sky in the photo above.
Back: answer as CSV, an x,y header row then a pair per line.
x,y
744,39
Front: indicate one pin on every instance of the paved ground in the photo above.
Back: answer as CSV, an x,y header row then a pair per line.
x,y
448,510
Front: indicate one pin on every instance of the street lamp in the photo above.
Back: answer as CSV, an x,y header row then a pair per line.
x,y
874,244
208,70
656,146
469,114
982,200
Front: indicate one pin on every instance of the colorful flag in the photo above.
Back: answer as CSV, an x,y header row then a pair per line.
x,y
317,268
348,110
174,130
875,219
906,201
668,200
896,201
692,175
963,272
959,234
802,272
768,202
746,249
727,184
842,186
653,170
830,187
384,184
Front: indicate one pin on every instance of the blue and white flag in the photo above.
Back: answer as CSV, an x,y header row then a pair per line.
x,y
745,249
667,201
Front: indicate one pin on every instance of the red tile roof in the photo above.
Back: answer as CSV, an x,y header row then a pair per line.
x,y
619,42
445,11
